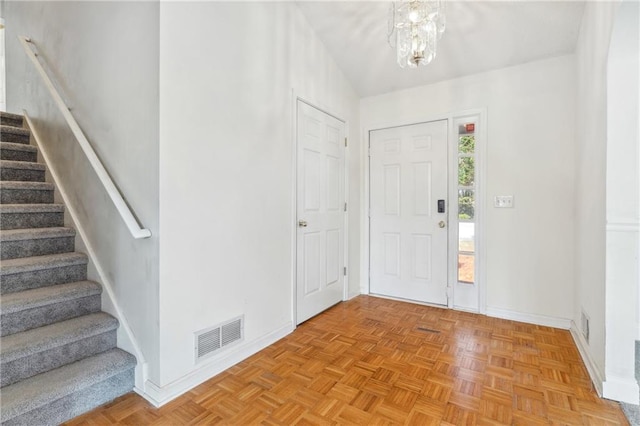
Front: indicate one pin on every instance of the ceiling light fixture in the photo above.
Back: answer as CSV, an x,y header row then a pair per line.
x,y
415,26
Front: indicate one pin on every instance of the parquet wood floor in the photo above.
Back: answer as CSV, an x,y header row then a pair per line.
x,y
374,361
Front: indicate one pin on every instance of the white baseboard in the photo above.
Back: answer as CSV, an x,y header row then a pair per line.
x,y
623,389
160,395
125,337
583,347
352,295
543,320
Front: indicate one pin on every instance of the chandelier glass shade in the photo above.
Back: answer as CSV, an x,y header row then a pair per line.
x,y
415,26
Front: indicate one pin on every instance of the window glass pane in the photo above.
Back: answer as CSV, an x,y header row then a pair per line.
x,y
466,237
466,203
466,171
466,144
466,268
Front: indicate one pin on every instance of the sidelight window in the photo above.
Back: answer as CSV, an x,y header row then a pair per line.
x,y
466,202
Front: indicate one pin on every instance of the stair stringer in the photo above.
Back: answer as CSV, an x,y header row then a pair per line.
x,y
126,339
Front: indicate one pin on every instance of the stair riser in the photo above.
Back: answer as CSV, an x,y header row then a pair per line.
x,y
26,196
23,175
37,317
37,247
14,137
77,403
6,121
28,366
42,278
13,155
31,220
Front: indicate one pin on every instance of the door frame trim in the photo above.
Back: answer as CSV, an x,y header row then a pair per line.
x,y
295,97
481,156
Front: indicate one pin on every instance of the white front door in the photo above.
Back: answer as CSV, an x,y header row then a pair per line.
x,y
320,211
408,234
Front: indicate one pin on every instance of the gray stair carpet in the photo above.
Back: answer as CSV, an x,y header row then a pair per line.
x,y
20,216
58,351
18,152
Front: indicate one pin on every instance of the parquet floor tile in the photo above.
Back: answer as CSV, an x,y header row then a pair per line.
x,y
372,361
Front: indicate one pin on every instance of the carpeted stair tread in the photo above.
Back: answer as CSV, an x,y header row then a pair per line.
x,y
26,192
37,263
46,388
24,165
21,216
21,171
4,128
34,186
36,233
17,147
31,208
10,116
27,273
44,296
14,134
18,152
41,339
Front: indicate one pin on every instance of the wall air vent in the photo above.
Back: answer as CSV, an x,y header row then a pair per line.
x,y
213,339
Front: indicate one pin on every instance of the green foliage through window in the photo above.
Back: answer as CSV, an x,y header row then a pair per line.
x,y
466,204
466,171
467,144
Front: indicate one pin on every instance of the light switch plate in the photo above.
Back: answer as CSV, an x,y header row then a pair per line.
x,y
503,201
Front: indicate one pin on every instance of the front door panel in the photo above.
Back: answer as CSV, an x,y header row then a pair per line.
x,y
408,236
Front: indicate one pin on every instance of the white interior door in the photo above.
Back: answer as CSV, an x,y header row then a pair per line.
x,y
408,235
320,208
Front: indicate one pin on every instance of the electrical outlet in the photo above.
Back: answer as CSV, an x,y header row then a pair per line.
x,y
584,319
503,201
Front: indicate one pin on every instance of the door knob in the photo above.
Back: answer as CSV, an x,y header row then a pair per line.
x,y
302,223
442,224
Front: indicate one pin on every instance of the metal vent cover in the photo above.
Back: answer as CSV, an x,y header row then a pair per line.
x,y
231,332
212,339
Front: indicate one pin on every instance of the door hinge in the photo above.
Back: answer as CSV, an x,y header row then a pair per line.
x,y
345,206
345,142
369,151
345,270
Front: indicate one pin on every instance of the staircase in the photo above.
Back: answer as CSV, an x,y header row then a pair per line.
x,y
58,355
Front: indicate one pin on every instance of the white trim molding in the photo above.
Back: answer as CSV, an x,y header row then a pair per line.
x,y
621,389
583,348
536,319
623,225
160,395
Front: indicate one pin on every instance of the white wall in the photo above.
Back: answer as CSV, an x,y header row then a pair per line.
x,y
530,155
590,180
3,86
622,205
227,71
104,58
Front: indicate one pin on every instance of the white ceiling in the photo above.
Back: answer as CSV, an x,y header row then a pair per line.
x,y
480,36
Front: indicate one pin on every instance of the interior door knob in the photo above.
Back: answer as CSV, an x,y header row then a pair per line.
x,y
302,223
442,224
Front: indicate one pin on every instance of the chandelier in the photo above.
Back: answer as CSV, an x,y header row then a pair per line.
x,y
415,26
